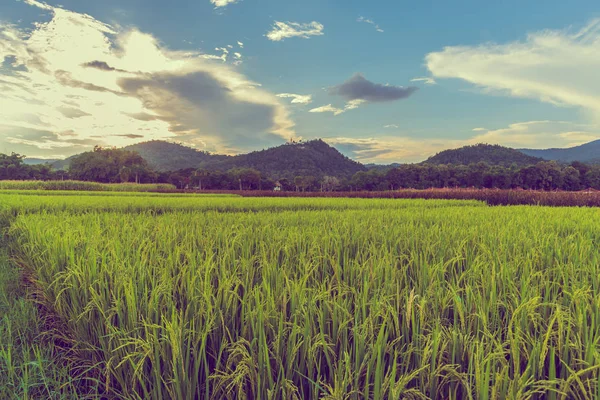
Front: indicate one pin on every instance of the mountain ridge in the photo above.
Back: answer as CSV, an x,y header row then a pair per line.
x,y
587,152
317,158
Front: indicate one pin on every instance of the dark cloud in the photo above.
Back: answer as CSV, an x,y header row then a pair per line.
x,y
359,88
142,116
198,103
101,65
70,112
65,78
130,136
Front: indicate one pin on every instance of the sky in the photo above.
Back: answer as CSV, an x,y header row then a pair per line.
x,y
383,81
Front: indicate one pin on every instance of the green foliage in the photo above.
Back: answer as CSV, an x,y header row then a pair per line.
x,y
165,156
13,167
544,175
111,166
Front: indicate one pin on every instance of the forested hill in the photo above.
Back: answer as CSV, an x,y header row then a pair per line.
x,y
490,154
313,158
586,153
166,156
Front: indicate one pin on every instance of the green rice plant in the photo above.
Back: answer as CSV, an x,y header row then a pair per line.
x,y
330,298
31,366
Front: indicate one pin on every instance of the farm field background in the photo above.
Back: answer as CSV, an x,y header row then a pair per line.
x,y
176,297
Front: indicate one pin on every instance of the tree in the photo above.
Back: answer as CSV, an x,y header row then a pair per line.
x,y
571,179
592,178
110,166
200,176
248,178
304,182
330,183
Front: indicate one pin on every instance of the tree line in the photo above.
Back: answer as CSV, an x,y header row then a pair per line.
x,y
117,165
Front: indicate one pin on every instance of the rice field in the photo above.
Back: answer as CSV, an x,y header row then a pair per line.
x,y
166,297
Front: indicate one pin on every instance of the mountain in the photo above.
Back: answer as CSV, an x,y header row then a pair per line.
x,y
490,154
313,158
383,168
586,153
54,163
38,161
166,156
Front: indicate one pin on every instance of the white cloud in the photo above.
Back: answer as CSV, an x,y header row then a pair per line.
x,y
394,126
351,105
539,134
327,108
297,98
371,22
285,30
479,129
75,73
555,66
424,79
240,44
222,3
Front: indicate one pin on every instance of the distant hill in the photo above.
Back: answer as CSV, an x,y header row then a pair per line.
x,y
382,167
166,156
54,163
490,154
38,161
586,153
313,158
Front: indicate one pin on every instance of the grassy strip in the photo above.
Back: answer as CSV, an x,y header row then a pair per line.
x,y
492,197
86,186
34,192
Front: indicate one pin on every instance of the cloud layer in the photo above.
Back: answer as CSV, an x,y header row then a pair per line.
x,y
104,85
286,30
554,66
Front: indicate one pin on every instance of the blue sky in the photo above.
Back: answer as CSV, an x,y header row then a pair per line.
x,y
513,72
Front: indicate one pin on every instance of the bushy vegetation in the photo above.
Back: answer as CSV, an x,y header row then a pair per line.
x,y
85,186
318,298
110,165
13,167
165,156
